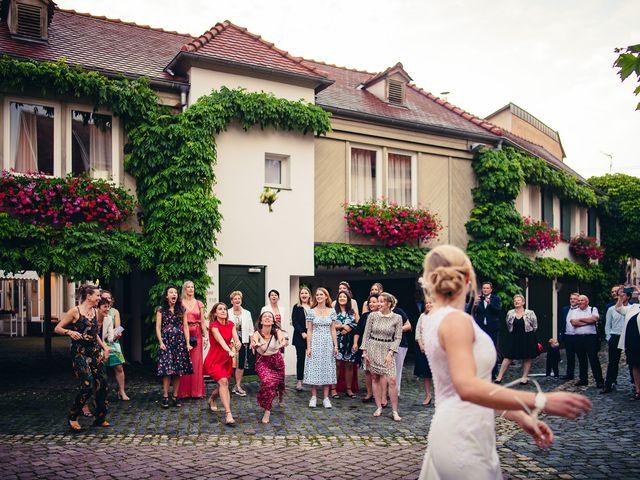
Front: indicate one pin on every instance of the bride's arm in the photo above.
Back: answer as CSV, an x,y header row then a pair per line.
x,y
456,336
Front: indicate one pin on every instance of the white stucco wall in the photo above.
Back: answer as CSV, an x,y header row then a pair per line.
x,y
282,241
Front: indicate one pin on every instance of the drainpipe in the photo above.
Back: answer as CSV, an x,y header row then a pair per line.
x,y
183,98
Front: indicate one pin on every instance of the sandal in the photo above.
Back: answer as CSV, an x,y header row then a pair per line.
x,y
123,397
367,399
378,412
74,425
175,401
351,395
103,423
228,419
334,394
165,402
395,416
212,405
86,411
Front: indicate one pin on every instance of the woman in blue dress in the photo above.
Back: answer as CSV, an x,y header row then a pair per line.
x,y
322,348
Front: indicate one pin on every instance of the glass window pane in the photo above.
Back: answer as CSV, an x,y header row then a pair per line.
x,y
363,175
31,137
273,171
91,144
399,178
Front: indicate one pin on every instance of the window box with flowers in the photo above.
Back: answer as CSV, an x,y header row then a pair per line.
x,y
539,236
586,247
392,224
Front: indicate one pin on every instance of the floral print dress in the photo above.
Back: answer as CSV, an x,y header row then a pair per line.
x,y
89,367
345,340
174,360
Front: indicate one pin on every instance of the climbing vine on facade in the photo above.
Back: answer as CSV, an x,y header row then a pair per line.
x,y
495,226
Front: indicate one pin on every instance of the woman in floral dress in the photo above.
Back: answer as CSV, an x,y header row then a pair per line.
x,y
266,341
322,348
172,331
89,353
345,331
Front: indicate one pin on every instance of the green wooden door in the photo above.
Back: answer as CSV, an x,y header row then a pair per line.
x,y
250,280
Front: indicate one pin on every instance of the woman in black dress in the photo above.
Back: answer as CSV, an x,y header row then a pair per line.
x,y
522,344
89,355
172,331
299,321
421,368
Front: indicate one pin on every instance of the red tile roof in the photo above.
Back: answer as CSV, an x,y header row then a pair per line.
x,y
230,43
99,43
422,108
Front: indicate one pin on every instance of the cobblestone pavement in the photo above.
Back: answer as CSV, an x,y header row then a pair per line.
x,y
146,441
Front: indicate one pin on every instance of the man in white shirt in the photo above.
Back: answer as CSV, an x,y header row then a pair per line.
x,y
584,319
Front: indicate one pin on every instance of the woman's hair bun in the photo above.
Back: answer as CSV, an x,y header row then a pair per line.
x,y
447,281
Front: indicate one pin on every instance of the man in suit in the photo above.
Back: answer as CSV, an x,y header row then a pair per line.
x,y
487,314
567,336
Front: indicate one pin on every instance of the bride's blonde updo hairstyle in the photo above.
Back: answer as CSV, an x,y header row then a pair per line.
x,y
447,272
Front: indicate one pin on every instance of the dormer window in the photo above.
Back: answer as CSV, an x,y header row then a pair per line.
x,y
29,19
395,92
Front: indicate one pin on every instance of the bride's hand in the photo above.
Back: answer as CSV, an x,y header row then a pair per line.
x,y
569,405
540,431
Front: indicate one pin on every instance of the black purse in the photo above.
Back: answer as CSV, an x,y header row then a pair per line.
x,y
193,341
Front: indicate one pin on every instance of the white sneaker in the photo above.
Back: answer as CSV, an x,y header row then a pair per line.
x,y
239,392
326,403
313,402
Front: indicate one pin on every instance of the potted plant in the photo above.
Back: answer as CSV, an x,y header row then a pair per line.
x,y
586,247
539,236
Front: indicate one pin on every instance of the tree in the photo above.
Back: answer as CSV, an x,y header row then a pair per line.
x,y
628,63
619,220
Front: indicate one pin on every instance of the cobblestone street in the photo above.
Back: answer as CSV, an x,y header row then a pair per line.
x,y
146,441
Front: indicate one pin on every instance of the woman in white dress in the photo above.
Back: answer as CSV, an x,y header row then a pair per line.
x,y
462,433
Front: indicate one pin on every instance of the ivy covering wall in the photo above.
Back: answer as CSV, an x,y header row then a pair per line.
x,y
495,226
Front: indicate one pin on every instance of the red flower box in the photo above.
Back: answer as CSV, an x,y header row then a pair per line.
x,y
391,223
587,247
539,236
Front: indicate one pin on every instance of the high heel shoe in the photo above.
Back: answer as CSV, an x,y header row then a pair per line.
x,y
395,416
212,405
74,425
426,402
378,412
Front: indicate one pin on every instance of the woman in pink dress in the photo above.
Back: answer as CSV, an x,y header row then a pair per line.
x,y
193,385
224,341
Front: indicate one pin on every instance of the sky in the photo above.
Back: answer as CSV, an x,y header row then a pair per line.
x,y
551,57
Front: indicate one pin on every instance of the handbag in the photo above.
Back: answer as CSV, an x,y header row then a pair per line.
x,y
193,341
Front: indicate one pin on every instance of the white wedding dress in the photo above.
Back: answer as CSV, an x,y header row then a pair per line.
x,y
462,437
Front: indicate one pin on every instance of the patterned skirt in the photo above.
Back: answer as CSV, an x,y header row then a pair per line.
x,y
270,369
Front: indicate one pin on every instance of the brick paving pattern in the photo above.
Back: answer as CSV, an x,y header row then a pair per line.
x,y
146,441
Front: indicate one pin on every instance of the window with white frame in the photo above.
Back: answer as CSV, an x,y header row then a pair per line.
x,y
32,138
400,178
276,170
364,175
91,144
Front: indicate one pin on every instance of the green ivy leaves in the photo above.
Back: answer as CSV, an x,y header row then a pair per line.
x,y
373,260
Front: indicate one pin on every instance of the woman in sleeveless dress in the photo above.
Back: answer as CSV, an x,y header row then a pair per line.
x,y
267,341
89,353
193,385
224,341
462,433
116,357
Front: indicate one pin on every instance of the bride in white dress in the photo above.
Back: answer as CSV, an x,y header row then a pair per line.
x,y
462,439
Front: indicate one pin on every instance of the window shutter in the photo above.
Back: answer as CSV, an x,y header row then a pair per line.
x,y
547,207
565,221
30,21
396,92
591,228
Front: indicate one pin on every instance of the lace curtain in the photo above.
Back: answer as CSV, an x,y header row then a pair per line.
x,y
363,175
399,179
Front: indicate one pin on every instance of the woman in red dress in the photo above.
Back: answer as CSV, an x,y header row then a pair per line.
x,y
193,385
224,341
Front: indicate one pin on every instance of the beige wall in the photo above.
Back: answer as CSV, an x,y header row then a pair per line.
x,y
443,178
529,132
